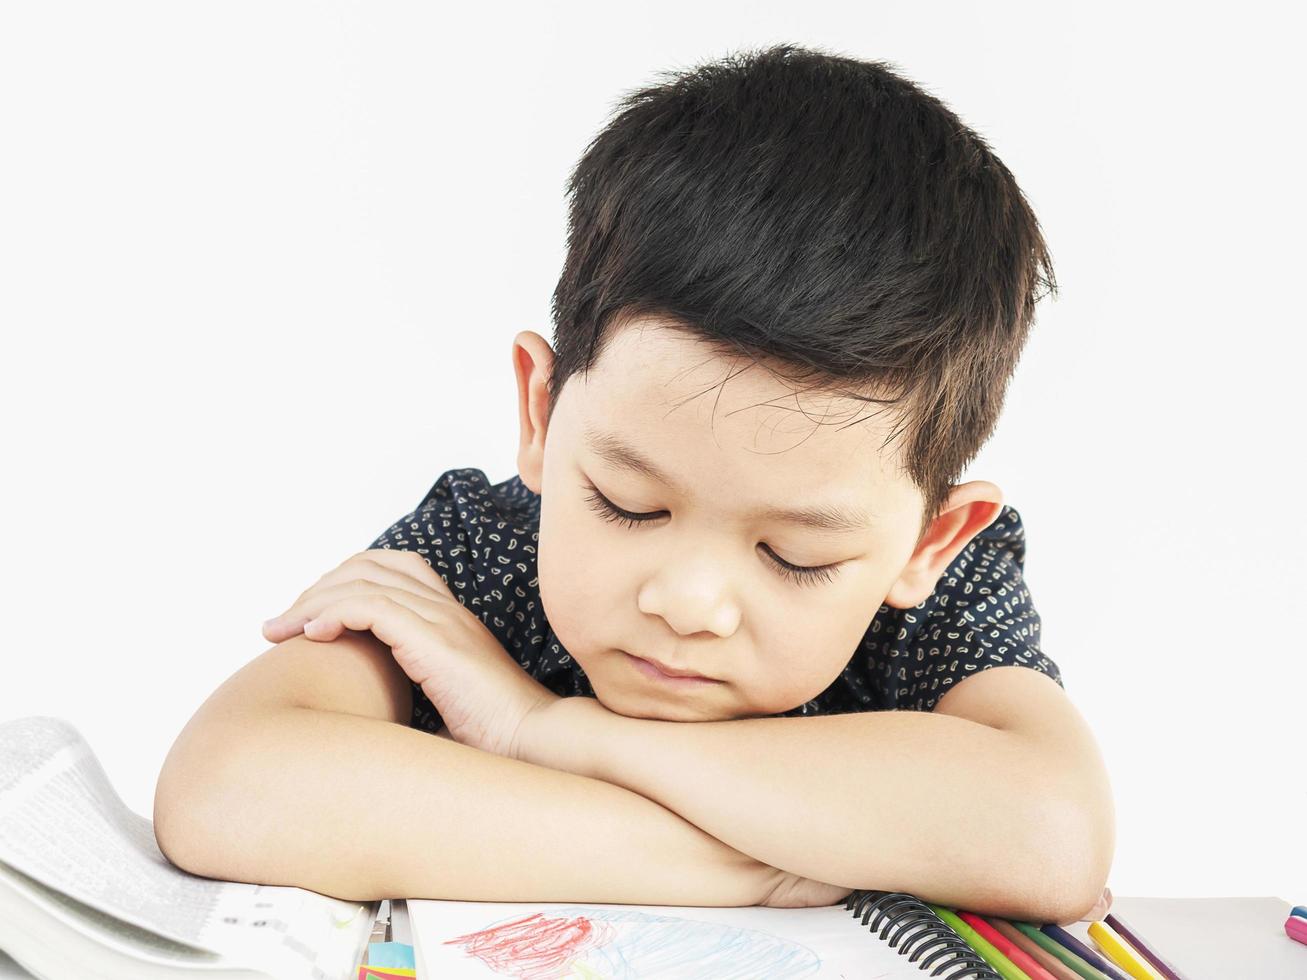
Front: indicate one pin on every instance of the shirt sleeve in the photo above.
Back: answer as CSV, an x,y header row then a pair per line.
x,y
981,615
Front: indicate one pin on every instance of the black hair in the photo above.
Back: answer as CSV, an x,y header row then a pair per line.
x,y
823,216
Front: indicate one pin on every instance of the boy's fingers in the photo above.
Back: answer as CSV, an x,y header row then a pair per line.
x,y
361,598
288,622
405,570
408,563
351,577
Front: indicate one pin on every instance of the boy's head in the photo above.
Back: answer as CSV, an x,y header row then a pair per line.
x,y
793,280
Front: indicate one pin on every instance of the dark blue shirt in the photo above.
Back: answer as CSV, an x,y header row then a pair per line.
x,y
481,539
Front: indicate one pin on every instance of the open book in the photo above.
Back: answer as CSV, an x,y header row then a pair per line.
x,y
86,892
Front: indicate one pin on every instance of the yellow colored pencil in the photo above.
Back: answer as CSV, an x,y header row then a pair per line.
x,y
1121,952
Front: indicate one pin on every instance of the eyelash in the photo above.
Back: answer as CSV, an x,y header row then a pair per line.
x,y
799,574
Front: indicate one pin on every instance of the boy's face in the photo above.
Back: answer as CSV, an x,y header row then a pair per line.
x,y
698,586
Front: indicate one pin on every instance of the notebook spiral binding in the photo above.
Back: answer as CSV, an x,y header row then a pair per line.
x,y
917,930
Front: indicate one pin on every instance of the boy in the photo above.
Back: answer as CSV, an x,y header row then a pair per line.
x,y
795,289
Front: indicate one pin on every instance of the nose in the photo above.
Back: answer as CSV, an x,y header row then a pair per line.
x,y
701,619
694,601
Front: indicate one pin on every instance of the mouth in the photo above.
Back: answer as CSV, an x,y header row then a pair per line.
x,y
666,675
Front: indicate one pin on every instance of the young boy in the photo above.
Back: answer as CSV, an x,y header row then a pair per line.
x,y
796,287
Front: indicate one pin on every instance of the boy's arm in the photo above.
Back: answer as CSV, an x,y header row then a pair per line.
x,y
997,802
300,770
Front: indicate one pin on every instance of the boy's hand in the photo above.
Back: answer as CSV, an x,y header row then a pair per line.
x,y
481,693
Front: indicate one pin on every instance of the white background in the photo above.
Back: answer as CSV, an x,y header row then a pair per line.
x,y
261,265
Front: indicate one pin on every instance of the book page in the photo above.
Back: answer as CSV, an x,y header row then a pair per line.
x,y
103,928
493,939
62,824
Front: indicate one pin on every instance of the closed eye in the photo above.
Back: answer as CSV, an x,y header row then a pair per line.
x,y
799,574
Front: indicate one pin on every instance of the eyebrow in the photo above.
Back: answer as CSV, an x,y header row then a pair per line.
x,y
822,517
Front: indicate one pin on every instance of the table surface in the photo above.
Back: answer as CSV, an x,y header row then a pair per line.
x,y
1213,938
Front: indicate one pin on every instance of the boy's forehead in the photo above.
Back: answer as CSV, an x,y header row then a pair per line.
x,y
660,368
714,420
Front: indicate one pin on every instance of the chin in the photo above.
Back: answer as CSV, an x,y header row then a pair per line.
x,y
633,707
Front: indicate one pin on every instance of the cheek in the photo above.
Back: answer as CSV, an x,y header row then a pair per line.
x,y
790,665
573,579
802,650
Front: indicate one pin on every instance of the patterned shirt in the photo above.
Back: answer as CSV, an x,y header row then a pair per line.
x,y
481,538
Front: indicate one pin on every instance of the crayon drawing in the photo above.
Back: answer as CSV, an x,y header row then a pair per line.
x,y
602,944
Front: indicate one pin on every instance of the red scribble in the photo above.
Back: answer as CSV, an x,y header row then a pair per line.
x,y
536,947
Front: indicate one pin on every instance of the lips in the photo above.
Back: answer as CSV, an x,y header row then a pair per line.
x,y
672,671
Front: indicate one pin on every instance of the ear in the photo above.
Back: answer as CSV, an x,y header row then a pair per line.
x,y
970,508
533,359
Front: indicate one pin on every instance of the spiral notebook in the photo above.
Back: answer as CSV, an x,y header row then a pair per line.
x,y
873,935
